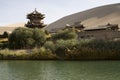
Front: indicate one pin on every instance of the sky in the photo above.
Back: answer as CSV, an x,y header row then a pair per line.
x,y
15,11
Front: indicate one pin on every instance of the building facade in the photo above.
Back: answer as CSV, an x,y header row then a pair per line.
x,y
104,32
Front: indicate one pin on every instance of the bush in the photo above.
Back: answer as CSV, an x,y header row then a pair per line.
x,y
3,45
63,47
22,38
50,45
98,50
42,53
66,43
65,35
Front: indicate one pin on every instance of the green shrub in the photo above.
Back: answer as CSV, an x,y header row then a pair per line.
x,y
42,53
65,35
63,47
50,45
98,50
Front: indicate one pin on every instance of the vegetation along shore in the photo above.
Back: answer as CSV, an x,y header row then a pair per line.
x,y
37,44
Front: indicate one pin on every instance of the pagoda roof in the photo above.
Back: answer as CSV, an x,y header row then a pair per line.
x,y
35,12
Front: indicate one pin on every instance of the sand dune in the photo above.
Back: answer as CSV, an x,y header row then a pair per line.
x,y
20,24
90,18
7,29
11,27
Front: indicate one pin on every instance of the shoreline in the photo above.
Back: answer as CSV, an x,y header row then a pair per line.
x,y
60,59
32,55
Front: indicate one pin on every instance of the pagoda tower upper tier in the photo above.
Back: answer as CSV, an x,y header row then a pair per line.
x,y
35,20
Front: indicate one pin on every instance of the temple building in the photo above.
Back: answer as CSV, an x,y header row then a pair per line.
x,y
35,20
77,26
103,32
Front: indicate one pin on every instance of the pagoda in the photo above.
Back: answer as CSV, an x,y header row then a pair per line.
x,y
35,20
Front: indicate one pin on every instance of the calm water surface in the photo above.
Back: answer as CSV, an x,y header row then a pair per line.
x,y
59,70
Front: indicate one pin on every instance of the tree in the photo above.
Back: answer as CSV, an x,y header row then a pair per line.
x,y
39,37
22,38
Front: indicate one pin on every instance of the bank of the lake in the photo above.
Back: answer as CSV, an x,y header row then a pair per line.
x,y
45,54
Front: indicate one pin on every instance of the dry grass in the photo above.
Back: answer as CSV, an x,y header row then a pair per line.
x,y
3,39
13,52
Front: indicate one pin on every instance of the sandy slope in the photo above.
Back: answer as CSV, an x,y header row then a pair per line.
x,y
20,24
11,27
90,18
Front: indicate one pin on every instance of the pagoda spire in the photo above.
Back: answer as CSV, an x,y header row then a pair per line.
x,y
35,9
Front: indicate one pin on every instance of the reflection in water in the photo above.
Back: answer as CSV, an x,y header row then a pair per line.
x,y
59,70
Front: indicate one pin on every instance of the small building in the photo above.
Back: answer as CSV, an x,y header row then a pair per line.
x,y
35,20
77,26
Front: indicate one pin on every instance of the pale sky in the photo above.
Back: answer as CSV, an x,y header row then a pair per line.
x,y
14,11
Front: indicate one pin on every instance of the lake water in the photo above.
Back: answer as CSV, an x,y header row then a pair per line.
x,y
59,70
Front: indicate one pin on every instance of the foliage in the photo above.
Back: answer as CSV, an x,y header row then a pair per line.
x,y
39,37
22,38
50,45
65,34
3,45
34,54
98,50
68,49
66,43
63,47
19,38
42,53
